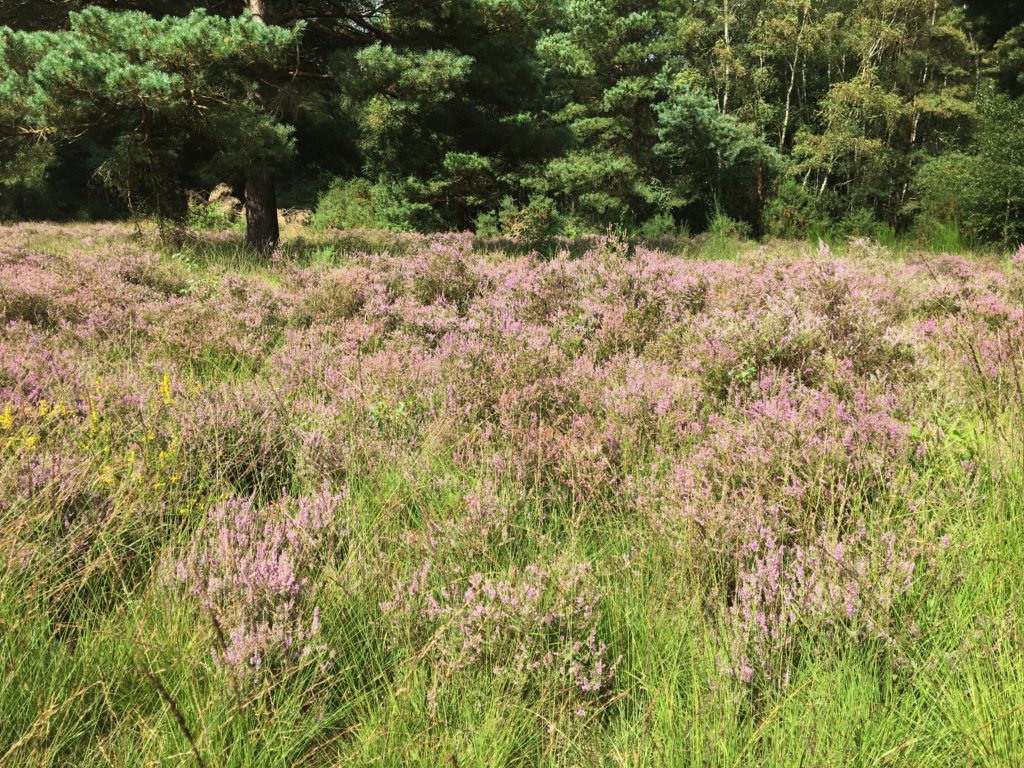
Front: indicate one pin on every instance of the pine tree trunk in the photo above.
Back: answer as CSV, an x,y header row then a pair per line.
x,y
261,231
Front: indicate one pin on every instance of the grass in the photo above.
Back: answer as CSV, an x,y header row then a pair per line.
x,y
106,662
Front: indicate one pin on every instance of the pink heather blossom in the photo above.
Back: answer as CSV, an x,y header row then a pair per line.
x,y
1017,260
252,572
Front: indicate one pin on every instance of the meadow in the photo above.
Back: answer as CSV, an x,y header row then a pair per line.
x,y
430,500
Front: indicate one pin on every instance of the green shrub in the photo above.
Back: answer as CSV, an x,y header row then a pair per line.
x,y
204,217
725,236
362,204
487,224
980,191
791,212
407,205
862,222
658,226
538,220
722,227
347,204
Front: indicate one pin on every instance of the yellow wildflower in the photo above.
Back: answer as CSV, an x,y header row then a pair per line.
x,y
6,422
165,389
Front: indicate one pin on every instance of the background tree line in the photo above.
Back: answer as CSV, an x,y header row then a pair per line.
x,y
522,117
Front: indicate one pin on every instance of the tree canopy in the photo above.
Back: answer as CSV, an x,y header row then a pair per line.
x,y
643,114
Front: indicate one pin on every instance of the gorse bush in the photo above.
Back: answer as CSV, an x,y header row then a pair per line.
x,y
791,212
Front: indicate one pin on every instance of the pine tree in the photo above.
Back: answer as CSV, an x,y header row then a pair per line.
x,y
148,92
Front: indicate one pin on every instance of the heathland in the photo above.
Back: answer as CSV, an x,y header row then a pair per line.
x,y
384,499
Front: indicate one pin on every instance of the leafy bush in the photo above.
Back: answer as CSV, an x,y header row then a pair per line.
x,y
791,212
487,224
659,226
724,237
536,221
347,204
981,190
861,222
204,217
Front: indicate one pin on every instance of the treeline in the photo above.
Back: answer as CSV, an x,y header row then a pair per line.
x,y
523,117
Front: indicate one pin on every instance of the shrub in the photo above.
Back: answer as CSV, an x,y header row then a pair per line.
x,y
209,217
535,626
337,294
347,204
253,572
791,597
791,212
660,226
535,222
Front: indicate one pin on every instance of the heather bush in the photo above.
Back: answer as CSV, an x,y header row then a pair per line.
x,y
237,439
533,627
440,272
337,294
31,293
790,597
253,572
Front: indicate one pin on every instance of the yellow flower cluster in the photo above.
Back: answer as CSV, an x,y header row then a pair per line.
x,y
165,390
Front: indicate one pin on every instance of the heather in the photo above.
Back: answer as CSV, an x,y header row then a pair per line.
x,y
409,499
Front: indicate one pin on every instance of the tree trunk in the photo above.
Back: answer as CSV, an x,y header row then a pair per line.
x,y
261,231
728,55
792,77
257,9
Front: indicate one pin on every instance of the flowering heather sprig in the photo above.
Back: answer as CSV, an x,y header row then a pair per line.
x,y
530,625
790,595
253,571
1017,260
807,455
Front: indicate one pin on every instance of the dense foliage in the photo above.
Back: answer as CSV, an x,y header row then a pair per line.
x,y
652,115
